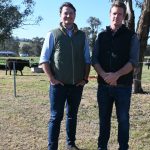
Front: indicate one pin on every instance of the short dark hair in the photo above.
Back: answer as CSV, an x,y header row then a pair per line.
x,y
119,4
67,4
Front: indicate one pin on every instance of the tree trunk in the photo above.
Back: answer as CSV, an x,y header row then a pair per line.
x,y
130,18
142,31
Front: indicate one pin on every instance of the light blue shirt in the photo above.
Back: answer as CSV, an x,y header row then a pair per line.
x,y
49,44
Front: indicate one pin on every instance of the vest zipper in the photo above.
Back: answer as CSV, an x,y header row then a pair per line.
x,y
111,52
110,60
72,62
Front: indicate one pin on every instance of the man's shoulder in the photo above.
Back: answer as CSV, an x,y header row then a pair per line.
x,y
102,33
54,30
81,32
127,30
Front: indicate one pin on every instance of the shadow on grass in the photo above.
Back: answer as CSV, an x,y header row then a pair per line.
x,y
30,75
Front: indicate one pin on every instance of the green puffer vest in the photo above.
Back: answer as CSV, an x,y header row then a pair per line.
x,y
67,61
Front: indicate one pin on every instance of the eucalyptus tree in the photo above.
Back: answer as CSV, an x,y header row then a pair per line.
x,y
13,16
92,30
10,44
143,28
36,44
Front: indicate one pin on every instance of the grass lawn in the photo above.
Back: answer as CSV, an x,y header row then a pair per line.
x,y
24,119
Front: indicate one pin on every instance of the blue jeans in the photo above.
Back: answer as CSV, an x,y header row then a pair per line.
x,y
121,96
61,96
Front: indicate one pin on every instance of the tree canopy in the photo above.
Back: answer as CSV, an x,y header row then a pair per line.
x,y
92,30
12,17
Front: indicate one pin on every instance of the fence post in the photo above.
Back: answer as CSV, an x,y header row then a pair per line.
x,y
14,73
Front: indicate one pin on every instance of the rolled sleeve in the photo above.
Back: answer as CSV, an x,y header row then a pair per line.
x,y
87,52
47,48
134,53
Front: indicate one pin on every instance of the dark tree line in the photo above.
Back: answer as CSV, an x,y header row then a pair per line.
x,y
25,46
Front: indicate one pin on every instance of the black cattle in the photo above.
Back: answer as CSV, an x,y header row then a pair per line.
x,y
148,63
19,65
2,67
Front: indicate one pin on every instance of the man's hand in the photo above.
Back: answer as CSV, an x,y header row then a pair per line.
x,y
53,81
81,83
111,78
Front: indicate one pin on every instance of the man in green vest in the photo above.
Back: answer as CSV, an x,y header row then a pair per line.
x,y
65,59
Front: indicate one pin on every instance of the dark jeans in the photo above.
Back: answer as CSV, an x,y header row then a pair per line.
x,y
121,96
69,95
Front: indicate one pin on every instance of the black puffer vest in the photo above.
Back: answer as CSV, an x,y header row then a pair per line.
x,y
114,52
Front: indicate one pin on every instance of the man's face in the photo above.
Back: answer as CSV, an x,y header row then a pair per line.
x,y
117,16
67,16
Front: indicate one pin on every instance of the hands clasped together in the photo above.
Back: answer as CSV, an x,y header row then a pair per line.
x,y
111,78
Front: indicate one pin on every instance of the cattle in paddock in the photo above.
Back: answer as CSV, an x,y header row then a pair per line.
x,y
19,65
2,67
148,63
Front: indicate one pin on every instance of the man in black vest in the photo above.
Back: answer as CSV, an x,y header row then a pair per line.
x,y
65,59
114,59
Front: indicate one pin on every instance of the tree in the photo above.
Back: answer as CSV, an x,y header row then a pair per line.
x,y
32,47
87,31
94,25
147,52
130,17
10,44
91,32
143,32
37,46
11,17
26,49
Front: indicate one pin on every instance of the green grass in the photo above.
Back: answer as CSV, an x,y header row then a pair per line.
x,y
31,59
24,119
